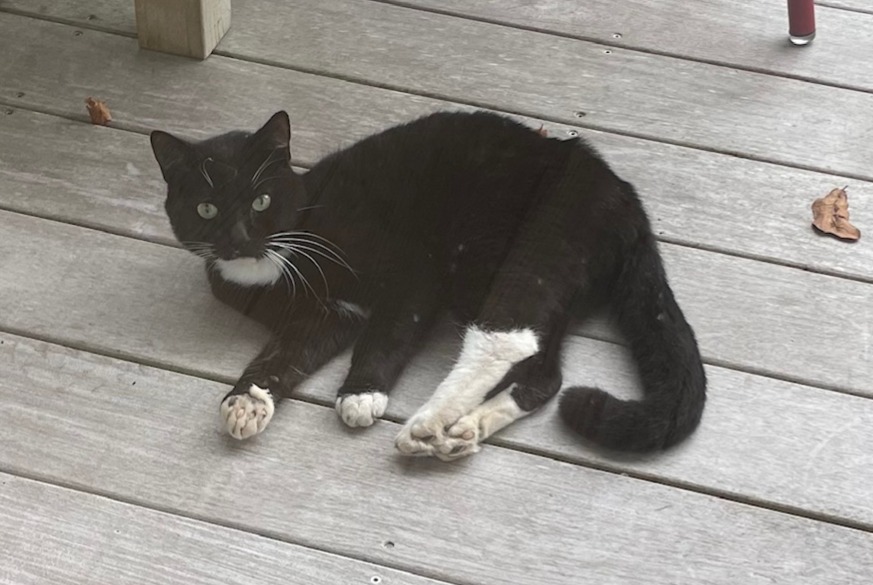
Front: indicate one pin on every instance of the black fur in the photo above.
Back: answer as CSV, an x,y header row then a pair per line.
x,y
469,212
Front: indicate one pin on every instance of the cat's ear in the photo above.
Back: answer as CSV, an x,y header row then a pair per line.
x,y
170,152
276,133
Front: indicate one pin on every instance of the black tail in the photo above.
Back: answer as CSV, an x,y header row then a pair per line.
x,y
665,350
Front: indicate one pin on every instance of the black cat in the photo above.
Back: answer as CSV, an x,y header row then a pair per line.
x,y
470,212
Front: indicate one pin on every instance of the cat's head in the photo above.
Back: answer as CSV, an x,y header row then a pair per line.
x,y
232,199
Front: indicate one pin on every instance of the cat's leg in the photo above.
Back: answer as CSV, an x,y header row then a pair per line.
x,y
289,357
390,338
525,306
526,388
486,391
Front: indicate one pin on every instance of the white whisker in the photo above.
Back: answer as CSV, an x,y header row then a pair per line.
x,y
327,248
317,267
300,275
278,261
303,246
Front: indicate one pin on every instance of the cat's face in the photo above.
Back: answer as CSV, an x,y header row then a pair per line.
x,y
233,199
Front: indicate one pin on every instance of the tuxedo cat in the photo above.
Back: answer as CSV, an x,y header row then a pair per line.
x,y
472,213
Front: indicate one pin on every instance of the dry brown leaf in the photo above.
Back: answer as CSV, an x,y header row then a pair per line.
x,y
98,111
542,131
830,215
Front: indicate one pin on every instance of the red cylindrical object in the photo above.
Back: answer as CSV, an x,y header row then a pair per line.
x,y
801,18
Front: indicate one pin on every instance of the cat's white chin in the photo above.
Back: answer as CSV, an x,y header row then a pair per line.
x,y
249,271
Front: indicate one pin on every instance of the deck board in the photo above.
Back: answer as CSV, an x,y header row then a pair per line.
x,y
763,311
857,5
747,33
344,492
773,488
710,206
180,327
64,537
755,37
625,92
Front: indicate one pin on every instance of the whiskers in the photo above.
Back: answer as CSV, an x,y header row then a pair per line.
x,y
204,250
304,245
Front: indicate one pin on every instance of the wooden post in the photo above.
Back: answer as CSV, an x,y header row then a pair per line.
x,y
183,27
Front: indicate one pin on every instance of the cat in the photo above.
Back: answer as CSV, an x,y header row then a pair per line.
x,y
468,212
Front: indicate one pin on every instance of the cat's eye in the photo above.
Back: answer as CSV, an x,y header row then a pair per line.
x,y
207,210
261,202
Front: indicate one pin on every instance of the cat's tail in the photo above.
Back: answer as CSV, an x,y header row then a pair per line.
x,y
665,350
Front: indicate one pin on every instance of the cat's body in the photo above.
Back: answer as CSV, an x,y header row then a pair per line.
x,y
473,213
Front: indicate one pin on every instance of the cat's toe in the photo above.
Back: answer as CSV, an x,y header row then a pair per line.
x,y
425,429
461,440
361,410
248,414
412,446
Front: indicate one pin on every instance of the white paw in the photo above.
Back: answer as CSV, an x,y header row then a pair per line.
x,y
246,415
424,430
460,440
361,410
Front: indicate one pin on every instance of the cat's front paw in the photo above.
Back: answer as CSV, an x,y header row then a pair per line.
x,y
361,410
247,414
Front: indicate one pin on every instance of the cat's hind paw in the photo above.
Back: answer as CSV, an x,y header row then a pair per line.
x,y
245,415
425,431
361,410
461,440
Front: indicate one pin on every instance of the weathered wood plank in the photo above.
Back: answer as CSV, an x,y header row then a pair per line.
x,y
60,536
762,440
746,314
625,91
696,197
858,5
503,518
153,305
744,33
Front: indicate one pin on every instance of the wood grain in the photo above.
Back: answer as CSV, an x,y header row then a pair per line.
x,y
624,92
761,440
746,33
503,517
150,304
857,5
60,536
110,180
153,302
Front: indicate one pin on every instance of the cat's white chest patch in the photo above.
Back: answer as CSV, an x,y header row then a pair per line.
x,y
249,271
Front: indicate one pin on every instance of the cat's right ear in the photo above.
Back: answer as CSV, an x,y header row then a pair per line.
x,y
171,153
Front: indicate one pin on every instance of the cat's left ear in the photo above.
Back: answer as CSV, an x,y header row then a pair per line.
x,y
170,152
276,133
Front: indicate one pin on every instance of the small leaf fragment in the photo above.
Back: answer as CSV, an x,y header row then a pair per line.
x,y
98,111
542,131
830,215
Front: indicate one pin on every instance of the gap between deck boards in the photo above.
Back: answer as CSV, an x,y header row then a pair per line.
x,y
594,335
614,467
364,81
619,45
495,21
175,511
234,526
139,129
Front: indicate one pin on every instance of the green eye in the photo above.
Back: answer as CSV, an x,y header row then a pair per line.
x,y
207,210
261,203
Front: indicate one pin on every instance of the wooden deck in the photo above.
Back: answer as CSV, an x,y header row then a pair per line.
x,y
113,356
